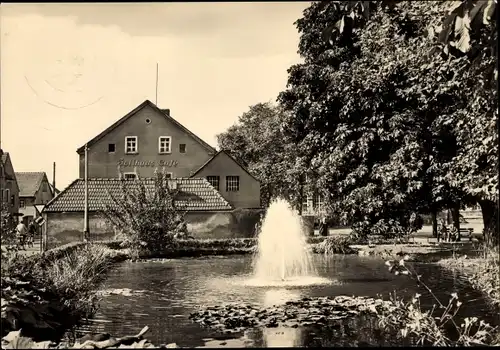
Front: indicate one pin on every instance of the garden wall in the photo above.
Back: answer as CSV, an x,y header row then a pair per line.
x,y
64,228
239,223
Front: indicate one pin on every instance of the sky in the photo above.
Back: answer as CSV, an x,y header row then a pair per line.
x,y
71,70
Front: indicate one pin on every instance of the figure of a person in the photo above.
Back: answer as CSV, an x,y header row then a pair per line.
x,y
21,232
323,227
31,234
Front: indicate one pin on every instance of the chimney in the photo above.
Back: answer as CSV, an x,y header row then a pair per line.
x,y
54,178
166,111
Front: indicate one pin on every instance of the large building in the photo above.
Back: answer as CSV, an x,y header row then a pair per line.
x,y
226,196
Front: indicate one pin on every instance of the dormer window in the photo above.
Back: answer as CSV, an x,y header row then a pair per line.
x,y
164,144
131,145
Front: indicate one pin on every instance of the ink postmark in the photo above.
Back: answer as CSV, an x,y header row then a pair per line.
x,y
70,81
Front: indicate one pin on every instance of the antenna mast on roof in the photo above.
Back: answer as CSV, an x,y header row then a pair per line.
x,y
156,99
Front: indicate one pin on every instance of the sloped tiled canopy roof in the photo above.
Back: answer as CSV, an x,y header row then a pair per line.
x,y
29,182
194,195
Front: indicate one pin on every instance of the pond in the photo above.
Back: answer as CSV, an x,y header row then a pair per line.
x,y
161,294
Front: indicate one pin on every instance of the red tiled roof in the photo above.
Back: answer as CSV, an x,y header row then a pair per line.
x,y
194,195
29,182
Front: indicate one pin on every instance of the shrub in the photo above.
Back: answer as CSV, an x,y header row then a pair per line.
x,y
401,226
335,245
149,218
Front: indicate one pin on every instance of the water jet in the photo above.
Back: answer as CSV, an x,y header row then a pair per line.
x,y
283,256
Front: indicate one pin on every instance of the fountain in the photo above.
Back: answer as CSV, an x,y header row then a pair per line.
x,y
282,256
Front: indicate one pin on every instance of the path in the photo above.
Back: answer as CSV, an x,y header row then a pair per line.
x,y
30,250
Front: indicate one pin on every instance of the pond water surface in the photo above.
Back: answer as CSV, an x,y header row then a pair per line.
x,y
162,294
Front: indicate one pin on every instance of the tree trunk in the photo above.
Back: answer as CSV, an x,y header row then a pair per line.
x,y
301,195
489,209
455,215
434,223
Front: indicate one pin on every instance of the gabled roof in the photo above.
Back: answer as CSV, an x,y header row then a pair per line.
x,y
194,195
29,182
164,112
232,158
6,159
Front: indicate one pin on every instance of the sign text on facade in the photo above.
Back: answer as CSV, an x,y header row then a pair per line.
x,y
148,163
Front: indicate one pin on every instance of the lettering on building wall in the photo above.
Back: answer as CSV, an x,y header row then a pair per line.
x,y
149,163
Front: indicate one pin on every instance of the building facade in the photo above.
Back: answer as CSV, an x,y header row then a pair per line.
x,y
148,139
34,190
141,143
9,189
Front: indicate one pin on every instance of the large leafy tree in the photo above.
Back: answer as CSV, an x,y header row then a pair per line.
x,y
368,111
464,32
256,141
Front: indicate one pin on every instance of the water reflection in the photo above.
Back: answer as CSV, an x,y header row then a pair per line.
x,y
282,337
279,296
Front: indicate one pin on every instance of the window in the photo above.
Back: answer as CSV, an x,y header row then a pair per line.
x,y
232,183
111,148
6,196
164,144
12,200
131,146
214,181
21,203
168,175
182,148
130,176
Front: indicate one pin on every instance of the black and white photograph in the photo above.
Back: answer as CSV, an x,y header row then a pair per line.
x,y
202,174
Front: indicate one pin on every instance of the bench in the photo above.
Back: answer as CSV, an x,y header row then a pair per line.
x,y
466,232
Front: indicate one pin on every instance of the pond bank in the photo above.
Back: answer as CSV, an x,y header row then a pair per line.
x,y
14,340
482,272
417,252
385,249
47,294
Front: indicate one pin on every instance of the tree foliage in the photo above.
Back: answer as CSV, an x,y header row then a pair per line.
x,y
257,141
147,213
382,116
7,225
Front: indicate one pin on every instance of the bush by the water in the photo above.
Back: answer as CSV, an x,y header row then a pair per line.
x,y
148,218
335,245
45,294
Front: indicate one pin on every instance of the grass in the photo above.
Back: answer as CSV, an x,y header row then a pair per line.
x,y
45,294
